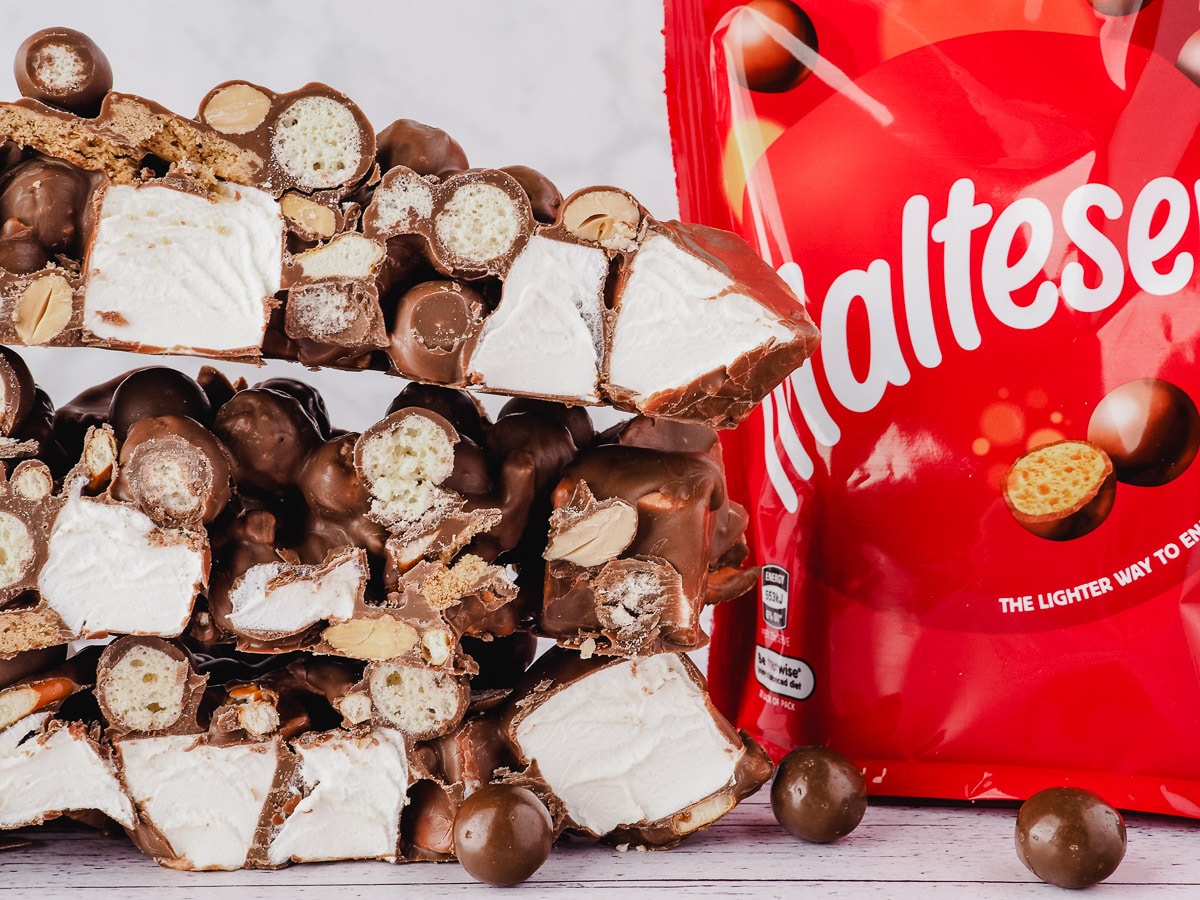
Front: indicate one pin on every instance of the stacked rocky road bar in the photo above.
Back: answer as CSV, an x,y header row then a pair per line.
x,y
318,643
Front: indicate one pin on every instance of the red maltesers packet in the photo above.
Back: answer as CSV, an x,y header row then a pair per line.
x,y
977,505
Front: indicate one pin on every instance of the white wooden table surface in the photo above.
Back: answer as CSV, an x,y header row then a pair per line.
x,y
899,851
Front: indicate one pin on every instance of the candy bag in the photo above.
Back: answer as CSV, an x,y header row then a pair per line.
x,y
977,506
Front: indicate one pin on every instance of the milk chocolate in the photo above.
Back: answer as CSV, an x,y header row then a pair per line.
x,y
676,497
545,200
269,435
1149,428
51,197
769,45
20,251
16,391
307,395
156,391
818,795
28,507
65,68
457,407
146,685
425,149
1069,837
503,834
174,470
338,499
434,331
1062,490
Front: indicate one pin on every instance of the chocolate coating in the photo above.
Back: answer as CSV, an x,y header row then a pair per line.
x,y
1188,61
1118,7
427,822
50,196
1069,837
65,68
160,451
337,497
157,391
502,834
20,251
1149,428
457,407
87,409
818,795
307,395
17,382
756,54
423,148
269,434
434,329
575,418
544,195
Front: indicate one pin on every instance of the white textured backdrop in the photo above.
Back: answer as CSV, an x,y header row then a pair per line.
x,y
573,88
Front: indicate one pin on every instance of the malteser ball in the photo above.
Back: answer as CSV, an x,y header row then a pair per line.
x,y
544,196
818,795
157,391
64,68
1117,8
50,197
1188,61
425,149
1069,837
1149,428
502,834
765,42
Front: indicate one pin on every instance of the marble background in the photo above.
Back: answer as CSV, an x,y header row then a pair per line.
x,y
573,88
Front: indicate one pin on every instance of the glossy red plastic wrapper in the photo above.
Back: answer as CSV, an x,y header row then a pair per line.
x,y
977,506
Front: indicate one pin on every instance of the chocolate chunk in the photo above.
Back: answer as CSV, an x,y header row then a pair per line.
x,y
157,391
423,148
1061,491
269,435
64,68
51,197
1149,428
20,251
1069,837
434,331
427,822
502,834
544,196
818,795
575,418
770,45
307,395
336,495
174,470
16,390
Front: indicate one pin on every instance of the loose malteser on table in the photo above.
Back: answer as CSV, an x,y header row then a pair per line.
x,y
281,225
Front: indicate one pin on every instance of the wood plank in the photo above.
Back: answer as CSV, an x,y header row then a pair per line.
x,y
899,851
